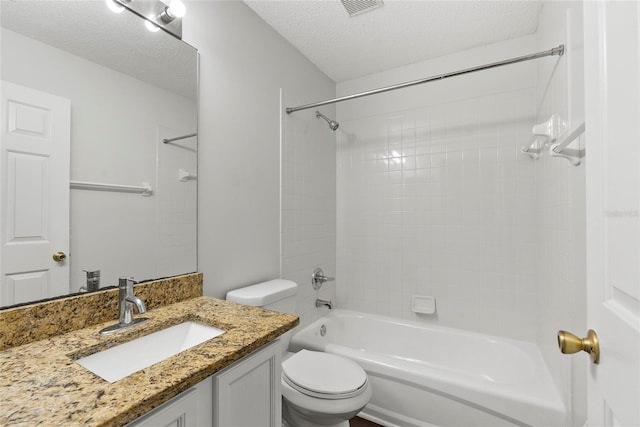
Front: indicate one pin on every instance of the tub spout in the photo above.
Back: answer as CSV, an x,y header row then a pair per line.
x,y
324,303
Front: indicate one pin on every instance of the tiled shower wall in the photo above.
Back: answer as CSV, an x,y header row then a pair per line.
x,y
308,230
435,198
560,207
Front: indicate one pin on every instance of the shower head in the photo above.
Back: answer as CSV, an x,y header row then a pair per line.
x,y
332,123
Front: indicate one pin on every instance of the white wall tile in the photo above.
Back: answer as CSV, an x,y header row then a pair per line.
x,y
559,209
443,205
309,205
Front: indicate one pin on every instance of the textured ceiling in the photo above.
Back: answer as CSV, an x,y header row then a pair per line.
x,y
399,33
118,41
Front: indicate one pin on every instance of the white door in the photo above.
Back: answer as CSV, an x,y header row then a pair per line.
x,y
34,193
612,77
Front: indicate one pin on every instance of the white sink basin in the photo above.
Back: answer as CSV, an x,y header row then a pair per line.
x,y
125,359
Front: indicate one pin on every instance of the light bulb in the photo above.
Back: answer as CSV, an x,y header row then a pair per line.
x,y
114,6
150,25
177,9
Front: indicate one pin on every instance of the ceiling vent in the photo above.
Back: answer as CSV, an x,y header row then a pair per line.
x,y
357,7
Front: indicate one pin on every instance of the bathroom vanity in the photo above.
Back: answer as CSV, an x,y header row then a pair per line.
x,y
42,383
253,382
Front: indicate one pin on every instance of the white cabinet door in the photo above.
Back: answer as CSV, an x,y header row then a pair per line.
x,y
178,412
34,194
191,408
247,394
612,77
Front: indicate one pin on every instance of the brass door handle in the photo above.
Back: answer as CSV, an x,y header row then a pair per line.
x,y
570,344
59,256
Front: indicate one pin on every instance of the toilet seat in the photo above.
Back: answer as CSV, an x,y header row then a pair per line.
x,y
323,375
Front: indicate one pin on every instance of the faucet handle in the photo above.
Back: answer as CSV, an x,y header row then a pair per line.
x,y
126,282
318,278
93,281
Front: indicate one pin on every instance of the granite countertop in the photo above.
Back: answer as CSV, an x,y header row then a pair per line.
x,y
43,385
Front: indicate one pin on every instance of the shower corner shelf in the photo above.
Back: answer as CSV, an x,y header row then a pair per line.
x,y
534,148
572,154
546,134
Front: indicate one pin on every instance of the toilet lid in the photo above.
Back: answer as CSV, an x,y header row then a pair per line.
x,y
323,375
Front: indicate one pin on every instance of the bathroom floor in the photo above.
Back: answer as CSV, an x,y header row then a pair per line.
x,y
360,422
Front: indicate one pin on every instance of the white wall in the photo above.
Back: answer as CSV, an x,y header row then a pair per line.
x,y
434,197
244,64
560,206
117,123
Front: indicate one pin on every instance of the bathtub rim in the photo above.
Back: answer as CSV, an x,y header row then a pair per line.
x,y
512,404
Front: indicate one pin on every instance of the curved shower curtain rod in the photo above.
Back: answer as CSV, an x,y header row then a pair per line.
x,y
555,51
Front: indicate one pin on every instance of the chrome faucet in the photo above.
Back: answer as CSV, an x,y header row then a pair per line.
x,y
126,301
324,303
93,281
318,278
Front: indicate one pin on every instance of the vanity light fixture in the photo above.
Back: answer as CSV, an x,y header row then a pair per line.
x,y
175,10
117,6
114,6
157,14
150,24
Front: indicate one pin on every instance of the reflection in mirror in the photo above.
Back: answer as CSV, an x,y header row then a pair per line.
x,y
88,96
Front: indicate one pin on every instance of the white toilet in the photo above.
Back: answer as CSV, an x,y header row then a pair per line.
x,y
318,389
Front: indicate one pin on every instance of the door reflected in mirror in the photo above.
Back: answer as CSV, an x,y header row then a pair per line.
x,y
88,96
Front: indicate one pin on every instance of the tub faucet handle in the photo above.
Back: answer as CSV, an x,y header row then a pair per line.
x,y
318,278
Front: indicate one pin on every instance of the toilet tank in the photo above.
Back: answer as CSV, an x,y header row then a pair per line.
x,y
277,295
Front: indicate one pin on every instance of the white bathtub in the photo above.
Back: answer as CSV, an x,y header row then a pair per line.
x,y
433,376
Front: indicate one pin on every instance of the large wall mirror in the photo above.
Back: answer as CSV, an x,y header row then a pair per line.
x,y
87,181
